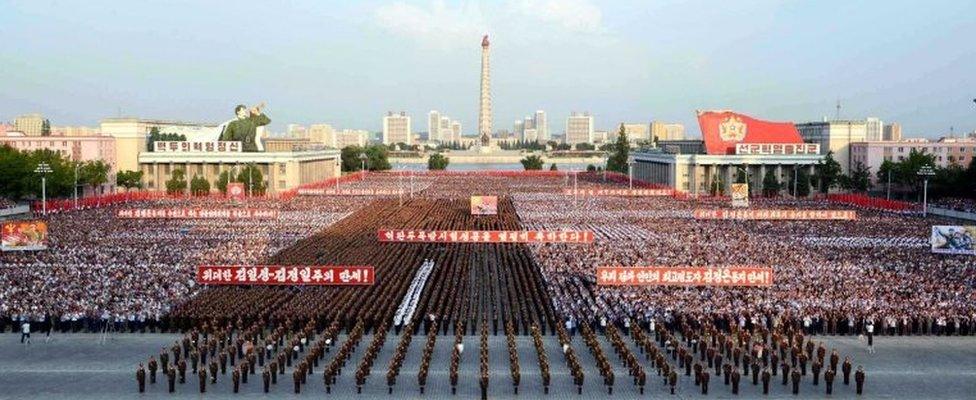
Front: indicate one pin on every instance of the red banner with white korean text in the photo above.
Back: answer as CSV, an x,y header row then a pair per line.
x,y
799,215
349,192
723,130
196,213
684,276
311,275
425,236
619,192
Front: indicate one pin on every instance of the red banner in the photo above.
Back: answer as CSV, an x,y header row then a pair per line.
x,y
235,191
722,130
349,192
619,192
800,215
423,236
684,276
316,275
196,213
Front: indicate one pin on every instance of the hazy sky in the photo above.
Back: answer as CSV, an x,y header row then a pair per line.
x,y
346,63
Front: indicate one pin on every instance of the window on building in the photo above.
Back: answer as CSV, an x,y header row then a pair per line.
x,y
281,184
281,168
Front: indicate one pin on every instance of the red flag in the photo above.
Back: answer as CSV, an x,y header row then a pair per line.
x,y
722,130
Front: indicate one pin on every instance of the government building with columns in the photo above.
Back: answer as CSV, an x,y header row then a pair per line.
x,y
731,142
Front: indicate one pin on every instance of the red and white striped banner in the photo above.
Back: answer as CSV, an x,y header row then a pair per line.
x,y
684,276
424,236
196,213
777,214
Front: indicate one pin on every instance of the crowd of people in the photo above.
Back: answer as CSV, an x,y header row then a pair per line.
x,y
872,275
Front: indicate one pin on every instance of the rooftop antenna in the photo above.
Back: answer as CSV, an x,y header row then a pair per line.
x,y
837,117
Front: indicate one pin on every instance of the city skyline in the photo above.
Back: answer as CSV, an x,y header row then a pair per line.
x,y
77,66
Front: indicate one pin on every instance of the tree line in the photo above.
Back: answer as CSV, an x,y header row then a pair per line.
x,y
20,180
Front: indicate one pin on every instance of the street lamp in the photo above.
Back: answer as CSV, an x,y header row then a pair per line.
x,y
362,159
575,187
630,172
43,169
77,165
925,172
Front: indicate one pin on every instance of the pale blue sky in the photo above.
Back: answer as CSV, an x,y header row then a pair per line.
x,y
347,63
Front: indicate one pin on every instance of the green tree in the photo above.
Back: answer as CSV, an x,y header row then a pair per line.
x,y
377,158
585,147
859,180
591,168
771,184
828,172
969,190
46,128
129,179
60,182
253,180
350,158
14,170
718,186
553,167
199,186
437,161
532,162
176,183
93,173
223,179
620,153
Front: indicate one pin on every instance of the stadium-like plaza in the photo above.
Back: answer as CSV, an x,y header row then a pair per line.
x,y
451,315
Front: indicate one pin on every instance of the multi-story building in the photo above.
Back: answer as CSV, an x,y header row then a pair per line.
x,y
440,127
131,135
321,133
666,131
529,135
455,130
892,132
30,124
519,128
873,129
296,131
635,132
396,128
541,126
945,152
74,131
351,137
74,148
579,128
600,137
433,125
836,137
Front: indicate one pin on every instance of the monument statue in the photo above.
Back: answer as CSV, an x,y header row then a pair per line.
x,y
244,128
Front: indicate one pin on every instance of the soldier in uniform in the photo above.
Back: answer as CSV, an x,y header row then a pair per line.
x,y
274,372
755,372
704,381
235,376
829,380
181,368
786,372
735,381
164,360
202,374
846,369
718,365
816,372
266,376
297,376
141,378
834,359
213,371
727,369
171,377
194,359
773,362
795,375
152,369
803,363
223,362
859,379
765,379
673,380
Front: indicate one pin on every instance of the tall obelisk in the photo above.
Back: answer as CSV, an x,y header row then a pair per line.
x,y
484,112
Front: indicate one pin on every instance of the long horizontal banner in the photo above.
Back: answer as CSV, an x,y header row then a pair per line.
x,y
197,147
777,214
350,192
422,236
285,275
197,213
619,192
684,276
768,149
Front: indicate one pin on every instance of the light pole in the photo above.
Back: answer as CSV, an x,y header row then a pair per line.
x,y
43,169
630,173
250,182
575,188
795,179
888,189
362,159
925,172
77,165
400,183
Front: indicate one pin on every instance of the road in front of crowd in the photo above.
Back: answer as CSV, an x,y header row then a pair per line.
x,y
88,366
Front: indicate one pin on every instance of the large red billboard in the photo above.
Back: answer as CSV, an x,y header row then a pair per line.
x,y
722,130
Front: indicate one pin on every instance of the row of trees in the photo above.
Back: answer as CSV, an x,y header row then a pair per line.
x,y
249,175
18,179
155,136
376,158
